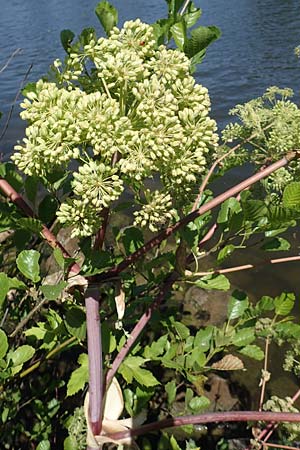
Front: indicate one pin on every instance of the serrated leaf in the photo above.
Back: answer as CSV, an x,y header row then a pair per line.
x,y
254,210
4,287
229,362
291,195
79,376
30,224
130,369
178,31
198,404
22,354
276,244
107,15
53,291
3,344
253,351
44,445
132,239
66,38
214,281
237,305
201,38
28,264
75,322
284,304
170,389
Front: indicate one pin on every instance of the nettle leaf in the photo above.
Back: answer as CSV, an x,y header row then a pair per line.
x,y
214,281
53,291
284,304
79,376
253,351
225,252
276,244
170,389
3,344
178,31
4,287
75,322
66,38
197,404
131,370
28,264
237,305
30,224
132,239
291,195
107,15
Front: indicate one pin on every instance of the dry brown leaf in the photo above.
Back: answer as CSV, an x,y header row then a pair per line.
x,y
229,362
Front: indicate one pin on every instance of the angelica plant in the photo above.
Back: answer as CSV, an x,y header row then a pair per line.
x,y
144,117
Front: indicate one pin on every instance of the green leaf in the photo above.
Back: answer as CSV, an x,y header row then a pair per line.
x,y
28,264
203,338
157,348
178,31
109,343
53,291
201,38
75,322
3,344
182,331
174,445
4,287
133,239
130,369
198,404
70,443
284,304
214,281
96,262
253,351
79,376
30,224
225,252
228,208
44,445
265,304
22,354
288,330
192,15
47,208
254,210
12,176
31,187
66,38
21,238
243,337
195,360
291,195
170,389
237,305
276,244
86,35
107,15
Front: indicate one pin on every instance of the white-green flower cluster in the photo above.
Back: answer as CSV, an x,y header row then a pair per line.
x,y
277,404
156,212
137,114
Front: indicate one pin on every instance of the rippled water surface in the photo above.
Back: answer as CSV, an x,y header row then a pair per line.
x,y
255,51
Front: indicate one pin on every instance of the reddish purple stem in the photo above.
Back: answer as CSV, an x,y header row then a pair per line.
x,y
92,298
231,416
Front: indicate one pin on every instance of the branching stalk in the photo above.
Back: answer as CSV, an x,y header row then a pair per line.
x,y
164,234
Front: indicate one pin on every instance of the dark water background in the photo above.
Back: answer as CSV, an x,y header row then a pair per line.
x,y
256,50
